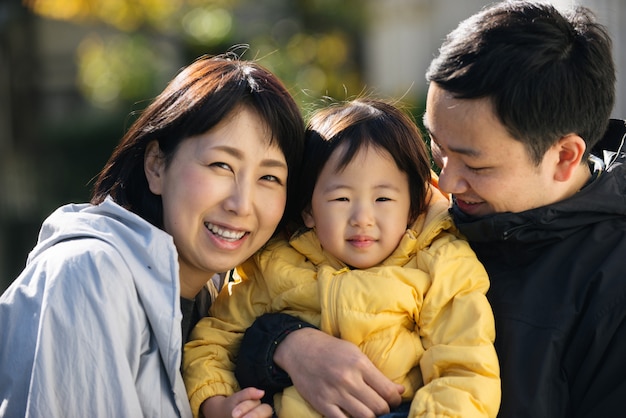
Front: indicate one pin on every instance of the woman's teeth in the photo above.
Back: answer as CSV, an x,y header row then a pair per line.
x,y
224,233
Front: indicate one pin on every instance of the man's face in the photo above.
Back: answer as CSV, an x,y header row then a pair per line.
x,y
482,165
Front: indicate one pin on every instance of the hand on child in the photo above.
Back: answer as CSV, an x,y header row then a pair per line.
x,y
335,377
244,404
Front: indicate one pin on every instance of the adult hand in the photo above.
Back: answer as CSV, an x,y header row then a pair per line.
x,y
335,377
243,404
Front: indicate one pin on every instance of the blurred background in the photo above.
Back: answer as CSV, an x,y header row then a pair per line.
x,y
73,73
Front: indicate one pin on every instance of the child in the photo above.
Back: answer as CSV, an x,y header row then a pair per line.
x,y
379,264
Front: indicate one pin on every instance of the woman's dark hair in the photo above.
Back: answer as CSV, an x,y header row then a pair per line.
x,y
547,74
196,100
360,123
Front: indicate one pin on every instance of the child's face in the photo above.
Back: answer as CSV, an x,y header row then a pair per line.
x,y
223,194
360,213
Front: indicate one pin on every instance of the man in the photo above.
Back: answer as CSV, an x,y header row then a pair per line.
x,y
519,97
518,113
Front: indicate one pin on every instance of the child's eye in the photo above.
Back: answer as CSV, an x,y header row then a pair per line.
x,y
383,199
341,199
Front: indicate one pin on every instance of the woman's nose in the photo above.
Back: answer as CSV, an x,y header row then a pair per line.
x,y
240,199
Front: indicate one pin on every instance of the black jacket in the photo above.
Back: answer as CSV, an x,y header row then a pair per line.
x,y
558,291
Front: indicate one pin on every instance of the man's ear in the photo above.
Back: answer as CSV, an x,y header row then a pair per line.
x,y
307,217
571,149
153,166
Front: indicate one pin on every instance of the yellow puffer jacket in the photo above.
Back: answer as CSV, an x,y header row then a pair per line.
x,y
421,316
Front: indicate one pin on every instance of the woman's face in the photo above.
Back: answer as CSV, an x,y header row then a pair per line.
x,y
224,193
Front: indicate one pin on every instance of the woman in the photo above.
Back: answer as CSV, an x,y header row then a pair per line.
x,y
92,326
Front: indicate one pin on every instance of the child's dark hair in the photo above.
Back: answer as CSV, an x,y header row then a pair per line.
x,y
359,123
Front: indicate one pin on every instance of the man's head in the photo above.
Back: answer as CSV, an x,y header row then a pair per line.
x,y
527,81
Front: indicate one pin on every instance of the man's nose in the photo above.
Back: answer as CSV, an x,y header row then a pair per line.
x,y
451,180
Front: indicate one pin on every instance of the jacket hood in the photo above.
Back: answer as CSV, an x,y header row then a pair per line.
x,y
604,198
108,222
148,251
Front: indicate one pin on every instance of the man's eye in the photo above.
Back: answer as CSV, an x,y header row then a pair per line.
x,y
476,169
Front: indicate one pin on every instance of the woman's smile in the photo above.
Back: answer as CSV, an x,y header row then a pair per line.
x,y
223,233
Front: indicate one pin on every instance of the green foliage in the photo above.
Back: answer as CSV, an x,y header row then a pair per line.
x,y
313,45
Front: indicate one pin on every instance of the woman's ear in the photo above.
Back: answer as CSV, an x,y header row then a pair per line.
x,y
307,217
153,165
571,149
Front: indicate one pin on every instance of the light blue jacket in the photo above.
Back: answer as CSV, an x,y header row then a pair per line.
x,y
91,328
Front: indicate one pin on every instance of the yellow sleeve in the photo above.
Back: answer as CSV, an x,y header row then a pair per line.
x,y
209,356
460,367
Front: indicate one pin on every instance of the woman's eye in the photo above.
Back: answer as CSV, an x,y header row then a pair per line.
x,y
273,179
220,164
